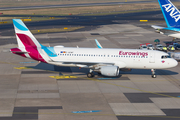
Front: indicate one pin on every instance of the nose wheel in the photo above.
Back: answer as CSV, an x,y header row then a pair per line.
x,y
153,73
153,76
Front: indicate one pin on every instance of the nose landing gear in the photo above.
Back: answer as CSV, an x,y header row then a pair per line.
x,y
153,73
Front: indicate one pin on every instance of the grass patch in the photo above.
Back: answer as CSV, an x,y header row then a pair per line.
x,y
53,30
16,3
120,12
86,10
83,10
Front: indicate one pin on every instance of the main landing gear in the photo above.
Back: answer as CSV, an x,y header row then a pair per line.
x,y
90,74
153,73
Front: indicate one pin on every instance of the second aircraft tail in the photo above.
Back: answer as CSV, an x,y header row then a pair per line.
x,y
170,12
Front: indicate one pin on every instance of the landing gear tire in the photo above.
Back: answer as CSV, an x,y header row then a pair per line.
x,y
153,73
154,76
90,75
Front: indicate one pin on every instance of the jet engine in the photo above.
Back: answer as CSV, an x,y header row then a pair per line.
x,y
109,70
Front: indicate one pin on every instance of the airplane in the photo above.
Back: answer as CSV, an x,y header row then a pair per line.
x,y
172,17
106,61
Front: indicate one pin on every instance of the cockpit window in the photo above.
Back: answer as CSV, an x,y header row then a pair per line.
x,y
165,56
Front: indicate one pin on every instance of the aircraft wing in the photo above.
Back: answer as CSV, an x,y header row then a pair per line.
x,y
89,64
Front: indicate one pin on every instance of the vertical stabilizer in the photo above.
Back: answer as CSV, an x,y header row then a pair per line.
x,y
23,35
170,12
28,43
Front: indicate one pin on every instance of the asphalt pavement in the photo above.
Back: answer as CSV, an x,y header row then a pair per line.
x,y
39,91
91,20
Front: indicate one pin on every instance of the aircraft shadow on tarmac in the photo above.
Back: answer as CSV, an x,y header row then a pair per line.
x,y
148,72
83,71
66,70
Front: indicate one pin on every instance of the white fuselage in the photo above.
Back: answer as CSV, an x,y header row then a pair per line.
x,y
124,58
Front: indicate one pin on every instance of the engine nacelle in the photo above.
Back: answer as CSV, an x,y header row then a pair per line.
x,y
109,70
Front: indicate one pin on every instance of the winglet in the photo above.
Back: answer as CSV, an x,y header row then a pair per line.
x,y
98,44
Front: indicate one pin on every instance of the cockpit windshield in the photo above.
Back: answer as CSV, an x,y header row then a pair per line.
x,y
165,56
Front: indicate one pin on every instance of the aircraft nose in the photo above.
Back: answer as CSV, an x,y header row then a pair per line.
x,y
174,63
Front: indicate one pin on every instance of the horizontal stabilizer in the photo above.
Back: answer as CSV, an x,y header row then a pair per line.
x,y
157,27
19,52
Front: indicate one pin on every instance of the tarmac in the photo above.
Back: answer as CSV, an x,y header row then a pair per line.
x,y
38,91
